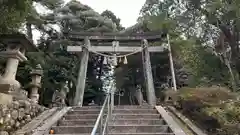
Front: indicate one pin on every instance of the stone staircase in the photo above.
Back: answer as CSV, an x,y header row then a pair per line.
x,y
126,120
78,121
137,120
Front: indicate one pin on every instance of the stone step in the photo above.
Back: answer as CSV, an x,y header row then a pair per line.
x,y
135,116
120,134
118,122
86,107
140,134
72,129
133,107
79,117
96,111
138,122
114,129
115,116
135,111
77,122
89,111
115,107
139,129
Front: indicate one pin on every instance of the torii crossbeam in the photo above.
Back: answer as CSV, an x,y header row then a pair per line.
x,y
99,36
109,49
108,37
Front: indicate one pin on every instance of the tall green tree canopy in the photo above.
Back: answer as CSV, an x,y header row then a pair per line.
x,y
192,36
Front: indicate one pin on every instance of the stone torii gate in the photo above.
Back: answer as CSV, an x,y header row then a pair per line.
x,y
104,42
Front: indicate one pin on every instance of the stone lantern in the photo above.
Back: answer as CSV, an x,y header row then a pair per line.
x,y
16,46
36,76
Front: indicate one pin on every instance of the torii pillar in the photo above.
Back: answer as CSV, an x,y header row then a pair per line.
x,y
82,74
147,71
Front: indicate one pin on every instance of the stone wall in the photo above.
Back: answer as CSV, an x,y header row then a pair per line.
x,y
17,114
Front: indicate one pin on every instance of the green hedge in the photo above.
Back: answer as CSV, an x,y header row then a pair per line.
x,y
216,110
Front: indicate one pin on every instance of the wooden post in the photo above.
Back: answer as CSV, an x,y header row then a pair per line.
x,y
171,65
147,69
78,99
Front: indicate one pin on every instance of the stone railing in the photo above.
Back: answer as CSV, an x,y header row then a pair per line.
x,y
15,115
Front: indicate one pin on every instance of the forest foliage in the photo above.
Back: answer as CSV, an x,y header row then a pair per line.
x,y
205,39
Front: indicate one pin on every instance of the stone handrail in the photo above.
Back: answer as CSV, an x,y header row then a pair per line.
x,y
47,124
31,126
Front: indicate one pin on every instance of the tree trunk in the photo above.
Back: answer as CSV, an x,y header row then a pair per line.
x,y
233,80
227,63
233,43
29,31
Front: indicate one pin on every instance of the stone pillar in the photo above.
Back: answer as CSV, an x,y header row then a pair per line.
x,y
36,75
147,70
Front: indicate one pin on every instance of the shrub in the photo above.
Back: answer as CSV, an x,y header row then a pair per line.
x,y
215,109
